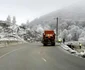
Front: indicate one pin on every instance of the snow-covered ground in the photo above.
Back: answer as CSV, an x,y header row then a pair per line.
x,y
75,51
9,34
67,48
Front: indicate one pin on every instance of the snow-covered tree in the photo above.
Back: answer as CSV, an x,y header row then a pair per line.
x,y
23,26
69,37
14,20
63,34
8,20
63,26
74,31
27,23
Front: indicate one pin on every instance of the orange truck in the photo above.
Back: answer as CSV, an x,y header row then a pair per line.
x,y
48,38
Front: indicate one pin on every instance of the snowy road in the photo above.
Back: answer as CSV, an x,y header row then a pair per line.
x,y
33,56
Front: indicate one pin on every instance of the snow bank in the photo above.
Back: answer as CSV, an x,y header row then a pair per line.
x,y
82,54
67,48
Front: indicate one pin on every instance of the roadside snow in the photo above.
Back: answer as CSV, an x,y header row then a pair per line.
x,y
67,48
82,54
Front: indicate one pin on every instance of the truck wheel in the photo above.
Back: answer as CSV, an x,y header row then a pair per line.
x,y
44,45
53,44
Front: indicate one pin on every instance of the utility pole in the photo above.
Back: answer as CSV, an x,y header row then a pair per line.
x,y
56,28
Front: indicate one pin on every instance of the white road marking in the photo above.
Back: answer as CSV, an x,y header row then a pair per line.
x,y
9,53
44,59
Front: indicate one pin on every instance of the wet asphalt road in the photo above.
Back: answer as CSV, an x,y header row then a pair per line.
x,y
34,56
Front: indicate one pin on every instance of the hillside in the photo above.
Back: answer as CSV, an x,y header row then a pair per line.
x,y
71,21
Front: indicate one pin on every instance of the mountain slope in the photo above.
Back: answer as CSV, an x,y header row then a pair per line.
x,y
76,11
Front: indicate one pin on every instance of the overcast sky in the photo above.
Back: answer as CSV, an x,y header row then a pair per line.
x,y
30,9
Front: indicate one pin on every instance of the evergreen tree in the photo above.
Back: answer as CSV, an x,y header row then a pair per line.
x,y
14,20
8,19
27,22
